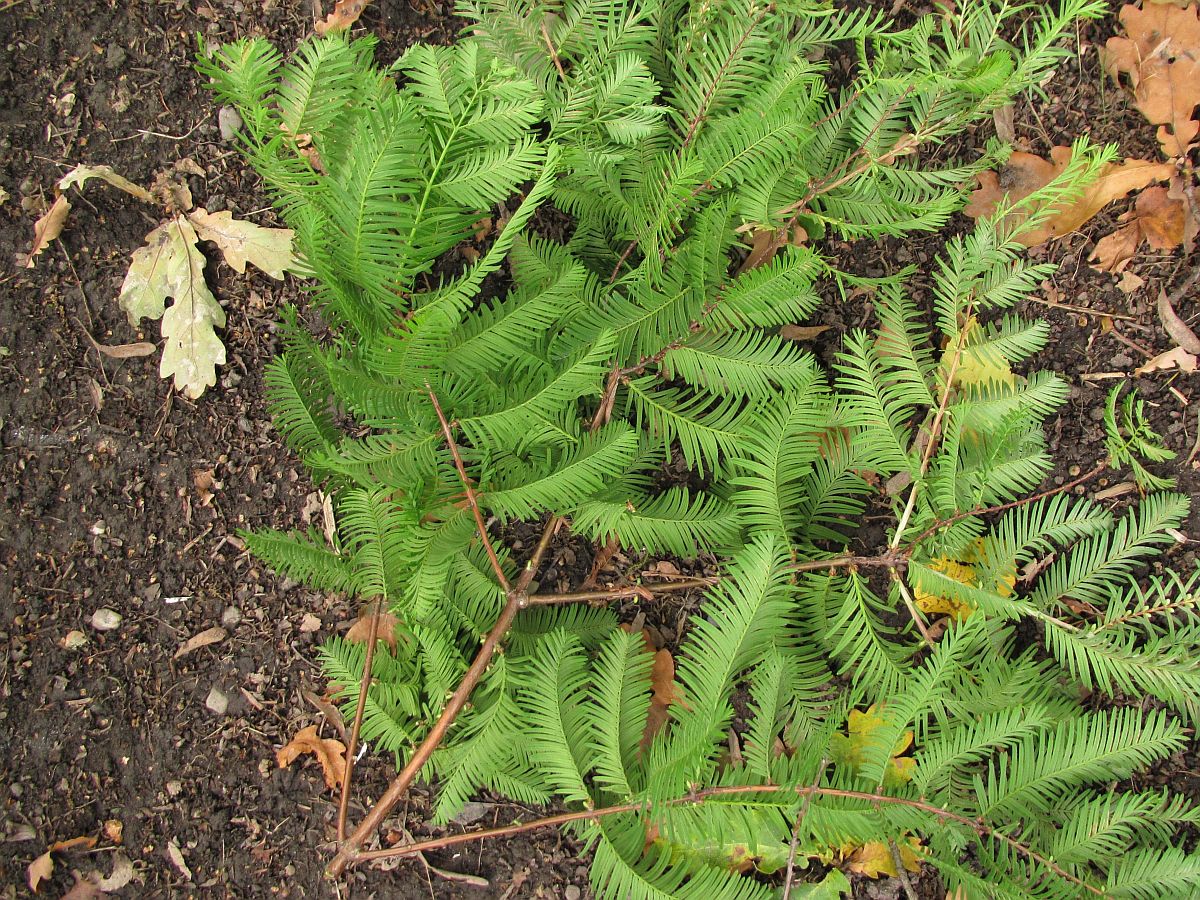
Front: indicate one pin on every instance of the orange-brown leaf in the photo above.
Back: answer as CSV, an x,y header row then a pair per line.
x,y
360,631
330,753
1161,58
345,13
1025,173
48,227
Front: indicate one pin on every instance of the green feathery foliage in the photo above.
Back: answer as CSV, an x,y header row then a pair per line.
x,y
813,712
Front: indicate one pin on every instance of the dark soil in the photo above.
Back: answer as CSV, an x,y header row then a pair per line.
x,y
102,470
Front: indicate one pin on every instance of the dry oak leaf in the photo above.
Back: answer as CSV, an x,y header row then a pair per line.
x,y
170,265
1025,173
1156,218
43,867
1161,56
345,13
329,752
241,242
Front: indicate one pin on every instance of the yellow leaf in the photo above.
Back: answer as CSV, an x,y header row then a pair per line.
x,y
241,242
875,858
872,859
170,265
848,749
931,603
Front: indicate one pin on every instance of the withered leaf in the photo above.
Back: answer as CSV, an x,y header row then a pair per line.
x,y
213,635
345,13
170,265
1177,358
80,175
1025,173
270,249
1161,57
330,753
48,227
360,631
1178,329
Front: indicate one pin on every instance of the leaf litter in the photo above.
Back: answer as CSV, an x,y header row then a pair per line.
x,y
170,266
1160,57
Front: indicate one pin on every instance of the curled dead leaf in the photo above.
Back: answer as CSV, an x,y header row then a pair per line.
x,y
1177,358
205,638
1025,173
80,175
48,227
360,631
1178,329
1160,56
330,753
345,13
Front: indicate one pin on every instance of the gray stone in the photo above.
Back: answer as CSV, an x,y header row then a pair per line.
x,y
232,617
229,122
217,702
105,619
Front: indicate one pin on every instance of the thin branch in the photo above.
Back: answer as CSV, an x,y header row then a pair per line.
x,y
794,846
980,828
462,473
988,510
553,53
644,591
352,743
349,851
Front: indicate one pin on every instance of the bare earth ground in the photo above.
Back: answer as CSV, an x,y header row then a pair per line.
x,y
98,460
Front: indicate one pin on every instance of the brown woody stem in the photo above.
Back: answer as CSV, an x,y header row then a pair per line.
x,y
980,828
352,742
470,491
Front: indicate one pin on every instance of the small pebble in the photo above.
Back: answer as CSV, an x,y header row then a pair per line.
x,y
571,892
229,122
105,619
232,617
217,702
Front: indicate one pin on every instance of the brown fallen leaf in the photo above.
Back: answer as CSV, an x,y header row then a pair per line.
x,y
127,351
1161,57
1178,358
83,889
205,482
1025,173
39,870
802,332
1180,188
1156,218
360,631
80,175
330,753
345,13
42,868
48,227
1178,329
662,682
209,636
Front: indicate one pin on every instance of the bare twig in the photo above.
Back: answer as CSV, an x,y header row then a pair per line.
x,y
980,828
352,743
639,590
988,510
794,846
553,53
901,872
470,492
349,852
